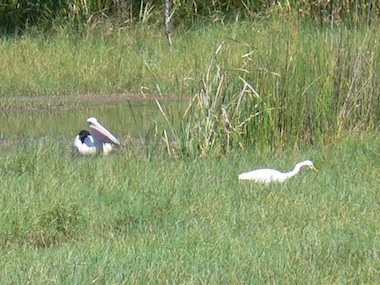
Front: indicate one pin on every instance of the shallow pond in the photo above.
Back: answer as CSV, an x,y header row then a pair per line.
x,y
63,119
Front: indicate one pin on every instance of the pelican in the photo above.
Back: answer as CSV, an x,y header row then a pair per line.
x,y
98,139
267,175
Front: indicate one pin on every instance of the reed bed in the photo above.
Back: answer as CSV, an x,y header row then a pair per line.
x,y
286,88
271,84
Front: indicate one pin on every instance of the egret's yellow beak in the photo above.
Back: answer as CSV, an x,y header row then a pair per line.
x,y
316,170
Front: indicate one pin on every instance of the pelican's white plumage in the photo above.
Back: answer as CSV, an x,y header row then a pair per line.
x,y
84,144
98,139
267,175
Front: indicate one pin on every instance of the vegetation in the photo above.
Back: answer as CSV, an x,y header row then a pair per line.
x,y
297,88
16,16
258,85
271,83
129,218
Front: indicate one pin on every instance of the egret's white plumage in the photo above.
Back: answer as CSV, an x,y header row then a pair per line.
x,y
267,175
98,139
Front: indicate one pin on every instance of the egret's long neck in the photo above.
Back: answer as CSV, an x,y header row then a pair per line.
x,y
294,171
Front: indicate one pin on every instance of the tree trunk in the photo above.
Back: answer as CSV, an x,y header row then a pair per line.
x,y
167,23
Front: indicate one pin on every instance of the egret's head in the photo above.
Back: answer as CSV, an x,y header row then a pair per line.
x,y
310,164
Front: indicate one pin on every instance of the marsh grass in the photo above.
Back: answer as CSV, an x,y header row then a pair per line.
x,y
281,88
265,94
130,218
271,83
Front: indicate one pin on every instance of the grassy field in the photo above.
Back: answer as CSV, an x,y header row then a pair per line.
x,y
132,219
263,93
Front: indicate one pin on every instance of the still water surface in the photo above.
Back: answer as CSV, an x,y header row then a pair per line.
x,y
62,121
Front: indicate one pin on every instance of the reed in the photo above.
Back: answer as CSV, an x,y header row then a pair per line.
x,y
286,88
272,88
18,17
271,83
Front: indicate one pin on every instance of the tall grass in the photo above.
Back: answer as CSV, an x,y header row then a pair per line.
x,y
19,16
137,217
129,218
67,65
285,88
273,83
313,83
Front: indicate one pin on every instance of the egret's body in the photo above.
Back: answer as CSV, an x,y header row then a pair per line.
x,y
267,175
98,139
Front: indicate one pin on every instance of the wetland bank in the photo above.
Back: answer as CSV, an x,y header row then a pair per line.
x,y
166,206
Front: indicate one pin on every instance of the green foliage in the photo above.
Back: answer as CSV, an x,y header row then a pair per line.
x,y
19,16
211,121
127,218
279,87
270,84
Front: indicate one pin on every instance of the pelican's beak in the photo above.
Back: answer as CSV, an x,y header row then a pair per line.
x,y
100,133
316,170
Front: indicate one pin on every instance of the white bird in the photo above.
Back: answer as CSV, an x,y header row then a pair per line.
x,y
98,139
267,175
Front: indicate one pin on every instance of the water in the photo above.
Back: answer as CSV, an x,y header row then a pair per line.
x,y
63,120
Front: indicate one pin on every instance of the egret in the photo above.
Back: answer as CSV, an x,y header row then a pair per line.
x,y
267,175
98,139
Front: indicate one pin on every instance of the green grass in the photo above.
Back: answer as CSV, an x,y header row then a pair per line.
x,y
265,93
269,83
130,219
131,60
